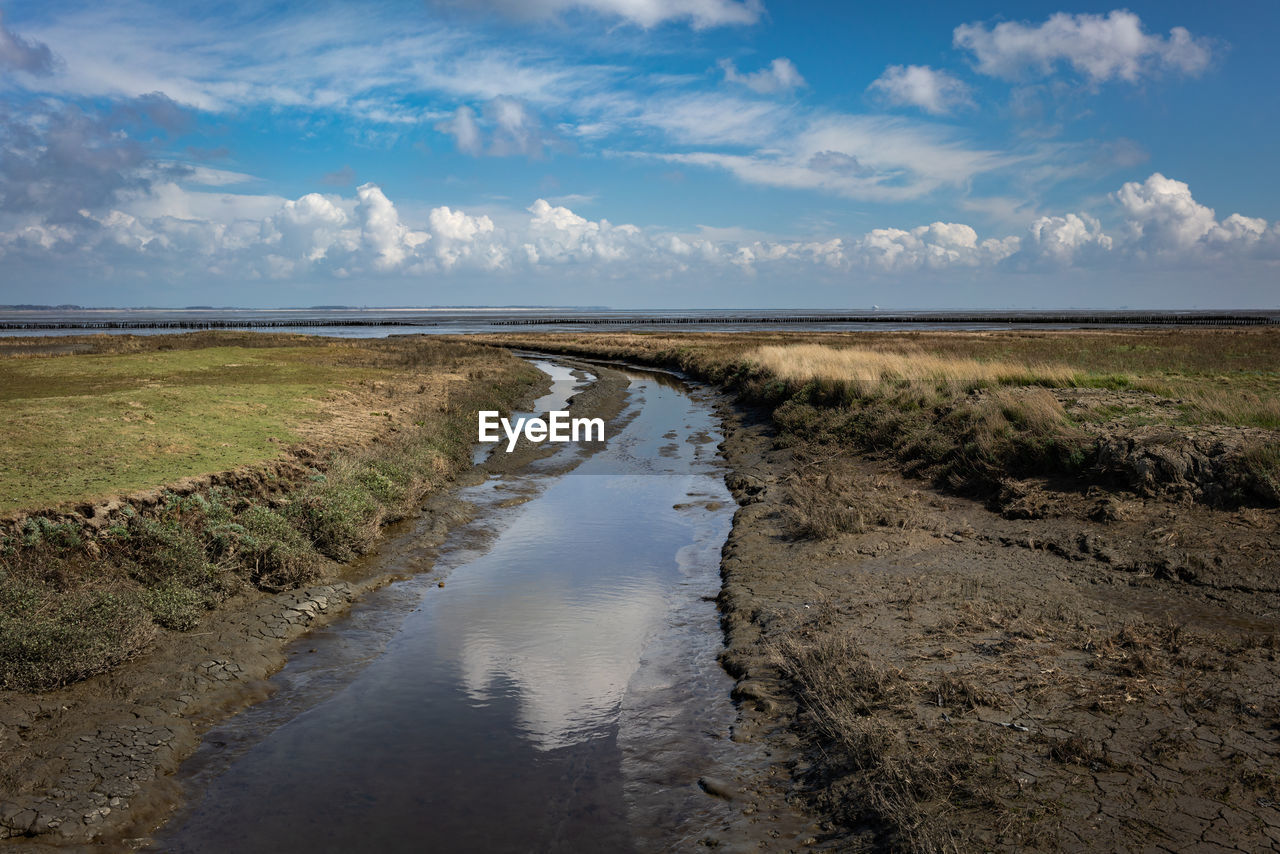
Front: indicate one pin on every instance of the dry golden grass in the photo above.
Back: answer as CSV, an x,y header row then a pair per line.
x,y
869,371
912,393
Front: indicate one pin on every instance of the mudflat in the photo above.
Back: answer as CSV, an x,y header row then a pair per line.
x,y
990,591
976,639
959,675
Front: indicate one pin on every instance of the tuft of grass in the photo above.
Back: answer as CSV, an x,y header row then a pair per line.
x,y
1261,465
904,786
269,550
49,641
175,606
822,507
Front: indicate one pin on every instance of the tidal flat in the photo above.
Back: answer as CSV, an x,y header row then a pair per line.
x,y
981,590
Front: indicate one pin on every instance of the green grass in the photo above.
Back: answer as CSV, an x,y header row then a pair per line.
x,y
73,603
77,427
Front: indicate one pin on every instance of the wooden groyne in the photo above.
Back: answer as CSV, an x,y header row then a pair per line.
x,y
201,324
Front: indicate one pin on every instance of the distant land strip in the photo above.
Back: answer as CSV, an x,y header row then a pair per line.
x,y
1057,318
1182,319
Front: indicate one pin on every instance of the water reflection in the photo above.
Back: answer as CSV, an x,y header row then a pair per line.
x,y
556,694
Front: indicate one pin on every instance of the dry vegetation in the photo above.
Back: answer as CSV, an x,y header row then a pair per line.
x,y
970,409
869,372
79,595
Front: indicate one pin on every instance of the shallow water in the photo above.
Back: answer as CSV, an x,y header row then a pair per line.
x,y
559,693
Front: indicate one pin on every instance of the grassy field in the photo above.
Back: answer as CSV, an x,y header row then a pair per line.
x,y
85,426
385,422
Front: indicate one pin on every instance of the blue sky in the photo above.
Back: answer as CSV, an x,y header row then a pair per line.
x,y
640,153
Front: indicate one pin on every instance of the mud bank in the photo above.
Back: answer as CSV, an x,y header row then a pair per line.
x,y
90,764
1055,669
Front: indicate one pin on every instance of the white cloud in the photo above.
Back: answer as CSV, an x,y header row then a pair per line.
x,y
645,13
779,76
558,235
1157,225
938,246
456,225
1100,47
710,119
877,158
460,237
464,130
1163,218
517,129
382,230
313,225
921,86
1062,239
512,128
360,62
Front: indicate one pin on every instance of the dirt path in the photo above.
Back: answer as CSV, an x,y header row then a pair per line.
x,y
1058,671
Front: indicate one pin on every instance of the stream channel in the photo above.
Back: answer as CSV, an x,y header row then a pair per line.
x,y
559,692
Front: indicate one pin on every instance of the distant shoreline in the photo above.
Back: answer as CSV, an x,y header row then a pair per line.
x,y
33,320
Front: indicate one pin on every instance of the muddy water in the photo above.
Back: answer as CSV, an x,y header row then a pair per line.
x,y
558,693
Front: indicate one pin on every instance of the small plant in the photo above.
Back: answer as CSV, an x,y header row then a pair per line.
x,y
41,531
176,607
46,641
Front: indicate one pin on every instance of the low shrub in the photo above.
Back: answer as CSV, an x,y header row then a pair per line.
x,y
47,641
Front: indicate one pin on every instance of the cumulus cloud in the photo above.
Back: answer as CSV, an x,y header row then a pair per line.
x,y
1101,47
938,246
382,229
21,54
310,227
1155,224
460,237
1064,240
1163,218
933,91
778,76
645,13
558,235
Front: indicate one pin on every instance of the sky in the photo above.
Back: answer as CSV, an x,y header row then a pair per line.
x,y
640,154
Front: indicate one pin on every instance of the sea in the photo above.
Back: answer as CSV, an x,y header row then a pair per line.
x,y
382,322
